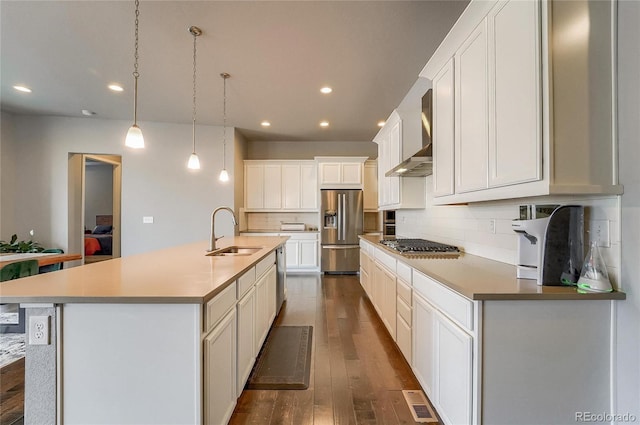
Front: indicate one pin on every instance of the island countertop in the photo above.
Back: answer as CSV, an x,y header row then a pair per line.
x,y
478,278
181,274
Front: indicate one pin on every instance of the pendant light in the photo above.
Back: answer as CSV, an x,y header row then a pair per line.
x,y
194,162
224,175
134,137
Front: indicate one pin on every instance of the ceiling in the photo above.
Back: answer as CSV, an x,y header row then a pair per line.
x,y
279,55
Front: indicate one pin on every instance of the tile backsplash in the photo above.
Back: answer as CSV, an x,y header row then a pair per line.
x,y
484,228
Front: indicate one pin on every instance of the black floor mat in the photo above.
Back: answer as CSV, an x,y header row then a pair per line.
x,y
285,360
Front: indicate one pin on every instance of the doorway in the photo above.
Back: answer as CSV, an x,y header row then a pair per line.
x,y
95,185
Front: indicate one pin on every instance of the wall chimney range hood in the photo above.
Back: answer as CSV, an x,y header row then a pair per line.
x,y
419,164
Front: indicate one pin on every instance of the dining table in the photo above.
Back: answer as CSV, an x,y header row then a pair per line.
x,y
44,258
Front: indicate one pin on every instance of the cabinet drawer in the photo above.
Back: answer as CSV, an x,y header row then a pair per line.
x,y
404,272
457,307
219,306
383,258
404,310
404,291
264,264
246,281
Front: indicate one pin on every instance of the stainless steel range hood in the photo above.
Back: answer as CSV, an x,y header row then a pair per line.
x,y
419,164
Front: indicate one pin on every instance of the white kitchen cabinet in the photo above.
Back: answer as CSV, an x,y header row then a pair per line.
x,y
404,314
514,94
262,310
389,302
246,337
523,94
341,172
301,250
272,185
220,371
443,130
254,186
370,191
471,115
423,344
396,192
453,365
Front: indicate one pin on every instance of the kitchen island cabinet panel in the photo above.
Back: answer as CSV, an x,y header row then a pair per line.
x,y
220,371
115,352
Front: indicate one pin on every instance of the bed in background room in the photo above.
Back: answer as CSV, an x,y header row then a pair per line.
x,y
99,241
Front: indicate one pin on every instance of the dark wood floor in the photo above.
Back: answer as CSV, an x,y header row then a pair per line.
x,y
358,373
12,392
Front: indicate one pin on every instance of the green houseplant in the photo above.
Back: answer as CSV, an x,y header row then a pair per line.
x,y
14,245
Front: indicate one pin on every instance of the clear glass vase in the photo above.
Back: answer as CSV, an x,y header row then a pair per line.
x,y
594,276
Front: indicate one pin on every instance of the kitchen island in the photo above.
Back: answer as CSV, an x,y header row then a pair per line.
x,y
489,348
162,337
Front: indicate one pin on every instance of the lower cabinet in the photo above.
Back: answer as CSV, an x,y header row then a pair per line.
x,y
265,305
302,251
442,362
220,371
453,367
423,348
246,337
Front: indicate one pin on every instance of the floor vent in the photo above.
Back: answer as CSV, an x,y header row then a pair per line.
x,y
420,408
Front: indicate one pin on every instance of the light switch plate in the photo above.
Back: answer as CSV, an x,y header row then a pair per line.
x,y
147,220
599,231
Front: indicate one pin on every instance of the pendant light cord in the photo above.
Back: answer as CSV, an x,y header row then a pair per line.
x,y
136,74
194,93
224,76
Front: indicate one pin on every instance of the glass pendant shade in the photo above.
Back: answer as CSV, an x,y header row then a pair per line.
x,y
224,176
134,138
194,162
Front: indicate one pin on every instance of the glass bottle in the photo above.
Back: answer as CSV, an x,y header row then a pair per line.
x,y
594,276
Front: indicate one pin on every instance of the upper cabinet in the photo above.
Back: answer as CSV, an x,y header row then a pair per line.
x,y
396,192
341,172
522,102
280,185
370,190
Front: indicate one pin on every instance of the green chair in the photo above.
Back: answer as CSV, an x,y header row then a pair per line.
x,y
16,271
52,267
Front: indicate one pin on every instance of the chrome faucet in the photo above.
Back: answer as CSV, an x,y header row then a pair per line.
x,y
212,244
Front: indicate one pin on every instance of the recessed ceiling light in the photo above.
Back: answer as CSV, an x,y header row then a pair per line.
x,y
115,87
265,124
324,124
88,113
22,89
326,90
380,123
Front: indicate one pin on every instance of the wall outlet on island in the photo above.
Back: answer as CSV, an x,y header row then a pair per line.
x,y
39,330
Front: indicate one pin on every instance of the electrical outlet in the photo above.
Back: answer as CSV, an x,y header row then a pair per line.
x,y
39,330
492,226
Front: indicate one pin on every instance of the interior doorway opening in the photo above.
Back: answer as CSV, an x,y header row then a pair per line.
x,y
95,206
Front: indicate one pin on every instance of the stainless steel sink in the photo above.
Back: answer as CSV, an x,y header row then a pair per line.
x,y
235,251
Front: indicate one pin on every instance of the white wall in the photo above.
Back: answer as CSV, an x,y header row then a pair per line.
x,y
628,311
98,198
155,181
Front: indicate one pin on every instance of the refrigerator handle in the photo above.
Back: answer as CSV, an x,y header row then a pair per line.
x,y
339,217
344,216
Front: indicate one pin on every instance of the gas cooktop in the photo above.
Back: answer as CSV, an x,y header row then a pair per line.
x,y
421,248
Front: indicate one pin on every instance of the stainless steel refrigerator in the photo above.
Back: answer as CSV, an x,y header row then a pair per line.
x,y
342,221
